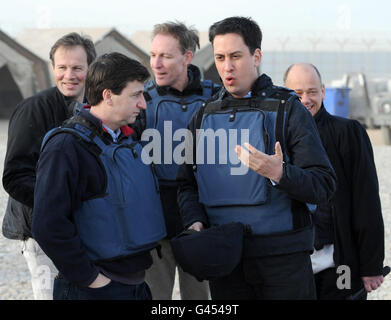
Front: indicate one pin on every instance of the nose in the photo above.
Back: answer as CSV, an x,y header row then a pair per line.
x,y
142,104
69,73
156,62
305,99
228,66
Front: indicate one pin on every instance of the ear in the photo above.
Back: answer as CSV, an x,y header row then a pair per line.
x,y
323,91
188,56
107,95
257,57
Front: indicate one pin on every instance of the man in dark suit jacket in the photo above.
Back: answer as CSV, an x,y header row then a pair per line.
x,y
349,230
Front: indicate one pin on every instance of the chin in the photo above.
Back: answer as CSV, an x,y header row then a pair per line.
x,y
162,83
70,94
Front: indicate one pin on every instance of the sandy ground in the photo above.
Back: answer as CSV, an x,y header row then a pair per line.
x,y
15,278
376,137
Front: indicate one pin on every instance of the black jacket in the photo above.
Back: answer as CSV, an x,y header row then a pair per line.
x,y
308,177
30,121
356,209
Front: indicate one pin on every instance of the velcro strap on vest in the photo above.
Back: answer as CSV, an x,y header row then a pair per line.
x,y
266,104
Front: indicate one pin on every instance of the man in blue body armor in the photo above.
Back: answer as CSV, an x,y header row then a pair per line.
x,y
287,168
97,211
172,98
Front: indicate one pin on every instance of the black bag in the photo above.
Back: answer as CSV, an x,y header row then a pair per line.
x,y
211,253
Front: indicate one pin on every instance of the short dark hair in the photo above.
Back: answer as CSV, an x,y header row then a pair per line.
x,y
74,39
309,64
187,36
245,27
112,71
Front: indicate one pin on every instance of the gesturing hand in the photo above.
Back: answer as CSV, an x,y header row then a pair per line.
x,y
269,166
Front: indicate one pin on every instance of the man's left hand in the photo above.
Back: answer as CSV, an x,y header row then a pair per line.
x,y
372,283
269,166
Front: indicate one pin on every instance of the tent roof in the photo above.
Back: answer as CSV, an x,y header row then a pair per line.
x,y
39,64
17,46
127,43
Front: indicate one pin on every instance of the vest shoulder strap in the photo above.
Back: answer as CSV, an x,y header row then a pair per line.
x,y
79,128
207,88
150,91
287,97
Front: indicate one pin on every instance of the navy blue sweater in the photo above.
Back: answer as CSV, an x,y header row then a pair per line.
x,y
67,175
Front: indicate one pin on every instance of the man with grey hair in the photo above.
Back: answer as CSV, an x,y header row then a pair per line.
x,y
172,98
349,229
31,119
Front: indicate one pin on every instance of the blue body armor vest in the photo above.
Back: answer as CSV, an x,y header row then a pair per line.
x,y
128,219
164,111
244,196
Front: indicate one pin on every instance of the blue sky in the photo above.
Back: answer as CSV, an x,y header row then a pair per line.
x,y
130,16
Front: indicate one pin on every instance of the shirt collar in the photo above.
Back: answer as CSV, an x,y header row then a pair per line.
x,y
248,95
114,134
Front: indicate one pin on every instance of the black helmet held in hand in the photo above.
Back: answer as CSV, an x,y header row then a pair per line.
x,y
211,253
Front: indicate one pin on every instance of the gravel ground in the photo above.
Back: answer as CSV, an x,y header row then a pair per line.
x,y
15,278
